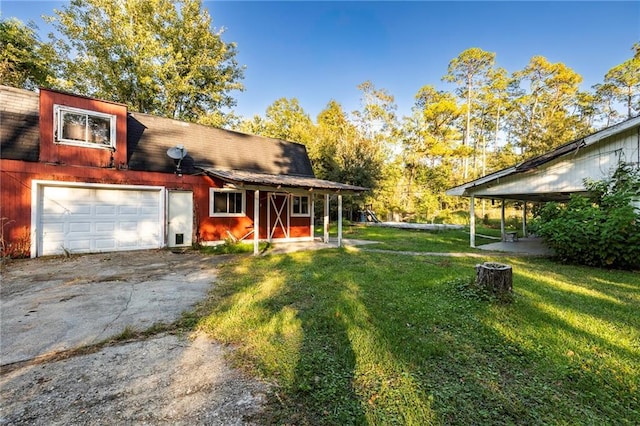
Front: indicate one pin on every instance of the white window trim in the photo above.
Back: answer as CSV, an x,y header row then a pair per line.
x,y
308,213
212,213
58,127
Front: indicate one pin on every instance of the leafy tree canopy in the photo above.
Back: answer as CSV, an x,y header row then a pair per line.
x,y
25,61
157,56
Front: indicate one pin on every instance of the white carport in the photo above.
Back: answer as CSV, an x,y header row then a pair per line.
x,y
556,175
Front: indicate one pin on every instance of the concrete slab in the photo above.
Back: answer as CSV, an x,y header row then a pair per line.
x,y
49,305
532,246
316,244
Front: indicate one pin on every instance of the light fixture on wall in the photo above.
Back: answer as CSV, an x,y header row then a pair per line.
x,y
178,153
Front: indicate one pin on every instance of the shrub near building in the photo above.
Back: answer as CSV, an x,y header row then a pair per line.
x,y
601,230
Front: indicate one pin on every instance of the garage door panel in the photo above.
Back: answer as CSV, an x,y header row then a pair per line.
x,y
78,246
99,219
106,210
79,227
105,227
108,244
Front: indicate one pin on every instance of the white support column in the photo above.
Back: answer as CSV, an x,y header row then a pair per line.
x,y
472,222
312,212
326,219
339,220
502,233
524,220
256,222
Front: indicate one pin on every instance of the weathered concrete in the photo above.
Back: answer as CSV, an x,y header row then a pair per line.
x,y
530,246
55,304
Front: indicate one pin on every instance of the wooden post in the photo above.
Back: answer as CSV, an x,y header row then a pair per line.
x,y
524,220
497,278
339,220
502,233
256,222
312,198
326,219
472,222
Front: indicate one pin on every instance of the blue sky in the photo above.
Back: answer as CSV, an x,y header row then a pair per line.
x,y
319,51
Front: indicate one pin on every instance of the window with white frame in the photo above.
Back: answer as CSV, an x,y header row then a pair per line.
x,y
299,205
224,202
81,127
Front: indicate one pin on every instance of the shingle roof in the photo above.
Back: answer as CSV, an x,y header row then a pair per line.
x,y
149,137
19,124
243,178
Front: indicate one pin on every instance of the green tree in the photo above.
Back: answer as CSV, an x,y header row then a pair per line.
x,y
432,154
624,82
470,71
25,61
377,119
542,115
157,56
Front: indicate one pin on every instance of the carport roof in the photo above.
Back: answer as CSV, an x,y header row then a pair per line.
x,y
470,188
254,180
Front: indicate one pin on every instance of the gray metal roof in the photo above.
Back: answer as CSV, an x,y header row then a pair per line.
x,y
251,180
570,148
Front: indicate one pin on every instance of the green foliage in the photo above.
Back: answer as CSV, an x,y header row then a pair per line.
x,y
25,61
232,247
157,56
603,230
623,82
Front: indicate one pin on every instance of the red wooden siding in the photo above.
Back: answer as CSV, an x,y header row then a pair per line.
x,y
51,152
16,189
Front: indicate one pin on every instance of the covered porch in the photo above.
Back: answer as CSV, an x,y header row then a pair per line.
x,y
276,213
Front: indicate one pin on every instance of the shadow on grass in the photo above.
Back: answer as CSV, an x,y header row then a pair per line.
x,y
368,338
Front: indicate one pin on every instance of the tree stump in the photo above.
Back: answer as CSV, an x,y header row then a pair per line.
x,y
496,278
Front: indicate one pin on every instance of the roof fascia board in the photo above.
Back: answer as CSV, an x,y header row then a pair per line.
x,y
462,189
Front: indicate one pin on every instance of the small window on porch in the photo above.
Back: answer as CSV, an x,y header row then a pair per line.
x,y
226,203
299,205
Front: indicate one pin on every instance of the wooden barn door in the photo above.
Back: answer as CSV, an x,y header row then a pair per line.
x,y
278,216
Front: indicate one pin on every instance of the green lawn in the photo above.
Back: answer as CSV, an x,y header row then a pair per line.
x,y
354,337
417,240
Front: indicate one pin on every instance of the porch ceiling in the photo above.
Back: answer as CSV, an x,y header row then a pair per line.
x,y
264,181
534,197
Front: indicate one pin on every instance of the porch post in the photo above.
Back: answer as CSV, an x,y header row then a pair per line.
x,y
326,218
472,222
502,221
312,197
524,220
256,222
339,220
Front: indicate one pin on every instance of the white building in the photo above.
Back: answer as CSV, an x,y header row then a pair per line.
x,y
555,175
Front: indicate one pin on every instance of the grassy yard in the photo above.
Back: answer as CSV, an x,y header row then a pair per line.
x,y
351,337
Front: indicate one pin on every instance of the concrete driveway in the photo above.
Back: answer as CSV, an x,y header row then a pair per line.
x,y
49,305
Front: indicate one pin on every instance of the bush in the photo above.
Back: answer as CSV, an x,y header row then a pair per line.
x,y
602,230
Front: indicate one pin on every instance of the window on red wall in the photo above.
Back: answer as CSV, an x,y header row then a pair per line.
x,y
81,127
299,205
224,202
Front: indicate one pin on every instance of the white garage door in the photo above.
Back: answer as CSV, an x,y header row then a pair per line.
x,y
89,220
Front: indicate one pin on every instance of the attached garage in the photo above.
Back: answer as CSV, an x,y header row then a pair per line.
x,y
89,218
